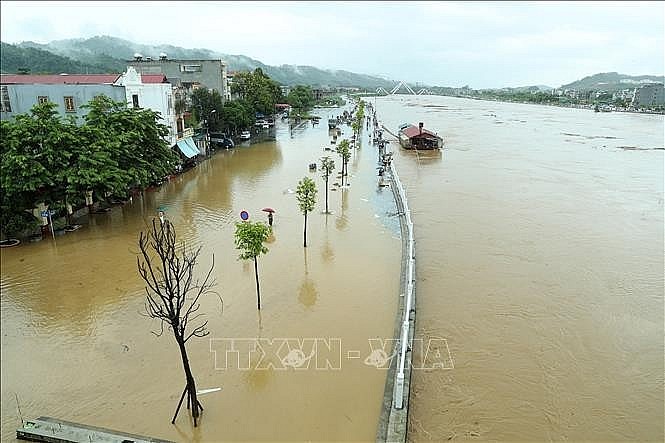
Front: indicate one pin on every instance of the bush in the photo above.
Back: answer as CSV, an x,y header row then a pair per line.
x,y
15,223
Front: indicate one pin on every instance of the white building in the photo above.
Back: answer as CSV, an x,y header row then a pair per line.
x,y
152,92
19,93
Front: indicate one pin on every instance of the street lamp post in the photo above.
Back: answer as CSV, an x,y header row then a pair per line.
x,y
208,130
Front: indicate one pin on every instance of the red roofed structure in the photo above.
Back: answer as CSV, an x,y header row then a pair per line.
x,y
59,79
73,79
153,78
416,137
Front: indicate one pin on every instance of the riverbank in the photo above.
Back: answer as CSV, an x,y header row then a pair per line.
x,y
572,105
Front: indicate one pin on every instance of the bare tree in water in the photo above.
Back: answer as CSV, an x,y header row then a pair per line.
x,y
173,295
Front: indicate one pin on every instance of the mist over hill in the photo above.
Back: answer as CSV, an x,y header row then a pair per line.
x,y
106,54
112,53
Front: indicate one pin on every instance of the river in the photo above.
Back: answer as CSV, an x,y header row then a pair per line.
x,y
539,239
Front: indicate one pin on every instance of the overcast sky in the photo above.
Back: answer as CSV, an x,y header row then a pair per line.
x,y
489,44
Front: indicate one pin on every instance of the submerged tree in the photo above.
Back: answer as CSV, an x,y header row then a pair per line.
x,y
306,196
173,295
327,167
344,152
249,238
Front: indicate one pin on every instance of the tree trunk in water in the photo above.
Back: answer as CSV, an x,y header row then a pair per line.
x,y
258,292
304,237
191,385
326,194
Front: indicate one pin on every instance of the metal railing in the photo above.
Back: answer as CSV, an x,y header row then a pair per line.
x,y
187,132
398,396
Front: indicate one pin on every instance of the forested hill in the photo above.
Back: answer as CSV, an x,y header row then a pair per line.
x,y
109,54
612,81
15,59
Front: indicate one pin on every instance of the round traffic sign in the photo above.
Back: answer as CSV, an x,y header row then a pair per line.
x,y
244,215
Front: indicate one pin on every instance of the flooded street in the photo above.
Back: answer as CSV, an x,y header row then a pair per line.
x,y
539,237
75,346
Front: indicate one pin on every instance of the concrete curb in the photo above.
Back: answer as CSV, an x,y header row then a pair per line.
x,y
393,422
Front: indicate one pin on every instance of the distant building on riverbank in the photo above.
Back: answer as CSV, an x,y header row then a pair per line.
x,y
649,95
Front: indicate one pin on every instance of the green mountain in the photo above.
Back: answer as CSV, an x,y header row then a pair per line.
x,y
112,53
613,81
33,60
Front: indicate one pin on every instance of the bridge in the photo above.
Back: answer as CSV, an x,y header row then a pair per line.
x,y
400,85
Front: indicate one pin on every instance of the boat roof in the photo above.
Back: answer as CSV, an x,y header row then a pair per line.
x,y
414,131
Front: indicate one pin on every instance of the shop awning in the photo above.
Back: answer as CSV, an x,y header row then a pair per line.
x,y
189,150
192,145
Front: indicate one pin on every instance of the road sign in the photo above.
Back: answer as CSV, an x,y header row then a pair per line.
x,y
244,215
47,213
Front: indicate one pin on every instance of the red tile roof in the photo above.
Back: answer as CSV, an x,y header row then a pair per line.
x,y
86,79
413,131
153,78
75,79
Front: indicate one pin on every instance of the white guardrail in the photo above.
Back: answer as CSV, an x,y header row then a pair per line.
x,y
398,398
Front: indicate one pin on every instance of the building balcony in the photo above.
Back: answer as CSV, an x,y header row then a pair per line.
x,y
188,132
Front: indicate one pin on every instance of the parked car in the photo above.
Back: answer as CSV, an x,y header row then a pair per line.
x,y
221,140
245,135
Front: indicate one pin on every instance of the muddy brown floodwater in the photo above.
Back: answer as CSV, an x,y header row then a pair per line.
x,y
540,262
75,347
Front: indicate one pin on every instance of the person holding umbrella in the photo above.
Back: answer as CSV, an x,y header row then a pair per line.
x,y
270,212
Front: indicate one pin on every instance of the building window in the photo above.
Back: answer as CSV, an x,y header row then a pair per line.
x,y
135,100
42,99
69,104
5,106
190,68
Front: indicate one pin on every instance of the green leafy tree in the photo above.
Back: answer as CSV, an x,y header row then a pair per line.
x,y
204,102
237,115
355,127
136,142
301,98
36,157
44,158
306,196
14,198
344,151
258,89
357,124
250,238
327,167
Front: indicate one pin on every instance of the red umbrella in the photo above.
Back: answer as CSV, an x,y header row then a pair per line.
x,y
268,210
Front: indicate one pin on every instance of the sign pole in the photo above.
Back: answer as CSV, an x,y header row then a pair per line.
x,y
50,220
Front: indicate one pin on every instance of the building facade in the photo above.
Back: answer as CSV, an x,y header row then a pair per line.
x,y
69,92
649,95
151,91
19,93
190,74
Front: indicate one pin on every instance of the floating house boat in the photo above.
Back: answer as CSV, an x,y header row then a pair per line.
x,y
416,137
